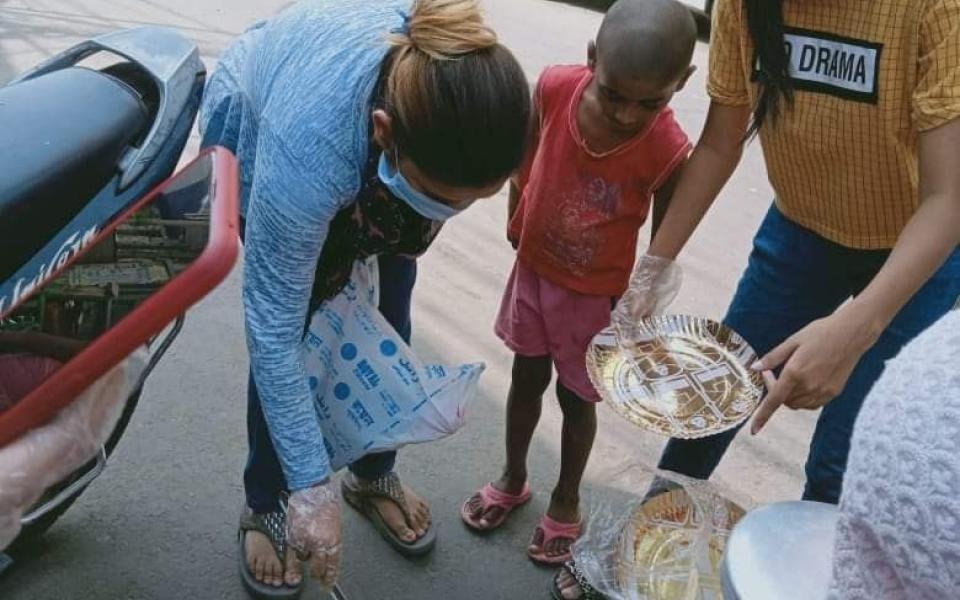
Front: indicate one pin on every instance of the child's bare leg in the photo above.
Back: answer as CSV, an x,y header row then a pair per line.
x,y
579,431
531,376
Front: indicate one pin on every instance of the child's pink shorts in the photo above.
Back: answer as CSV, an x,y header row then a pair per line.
x,y
539,318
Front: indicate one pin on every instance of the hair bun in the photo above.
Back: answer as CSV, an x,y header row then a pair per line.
x,y
445,29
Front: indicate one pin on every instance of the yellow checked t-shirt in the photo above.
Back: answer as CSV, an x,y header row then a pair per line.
x,y
870,76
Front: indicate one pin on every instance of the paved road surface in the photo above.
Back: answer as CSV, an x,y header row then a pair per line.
x,y
161,521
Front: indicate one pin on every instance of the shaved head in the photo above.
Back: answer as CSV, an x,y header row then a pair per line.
x,y
651,39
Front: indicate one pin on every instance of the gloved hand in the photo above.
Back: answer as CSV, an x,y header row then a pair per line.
x,y
653,286
315,530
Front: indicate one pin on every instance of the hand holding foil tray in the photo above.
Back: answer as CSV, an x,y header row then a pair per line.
x,y
684,376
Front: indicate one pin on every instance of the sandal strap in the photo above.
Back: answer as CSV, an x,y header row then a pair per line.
x,y
492,497
552,529
387,487
272,524
586,589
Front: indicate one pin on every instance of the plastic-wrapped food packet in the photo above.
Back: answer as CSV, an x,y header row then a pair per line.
x,y
656,536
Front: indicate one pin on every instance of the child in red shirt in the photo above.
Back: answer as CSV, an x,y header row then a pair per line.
x,y
605,145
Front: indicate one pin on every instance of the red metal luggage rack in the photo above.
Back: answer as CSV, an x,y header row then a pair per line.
x,y
149,318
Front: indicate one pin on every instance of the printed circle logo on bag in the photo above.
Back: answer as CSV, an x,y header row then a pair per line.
x,y
341,391
388,348
348,352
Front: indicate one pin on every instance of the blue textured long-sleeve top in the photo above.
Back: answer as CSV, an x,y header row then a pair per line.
x,y
291,98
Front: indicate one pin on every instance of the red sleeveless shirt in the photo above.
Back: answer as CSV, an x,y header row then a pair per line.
x,y
580,211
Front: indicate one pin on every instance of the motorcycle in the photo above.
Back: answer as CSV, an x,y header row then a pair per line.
x,y
103,248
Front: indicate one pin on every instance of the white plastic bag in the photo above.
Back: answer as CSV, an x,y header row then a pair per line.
x,y
371,392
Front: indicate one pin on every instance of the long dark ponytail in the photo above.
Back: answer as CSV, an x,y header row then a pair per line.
x,y
766,26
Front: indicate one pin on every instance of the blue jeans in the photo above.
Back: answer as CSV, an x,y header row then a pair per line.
x,y
263,478
795,277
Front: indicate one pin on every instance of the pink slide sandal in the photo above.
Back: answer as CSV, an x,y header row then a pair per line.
x,y
491,497
548,532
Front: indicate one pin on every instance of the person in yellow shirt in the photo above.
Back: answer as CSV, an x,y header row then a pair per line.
x,y
856,105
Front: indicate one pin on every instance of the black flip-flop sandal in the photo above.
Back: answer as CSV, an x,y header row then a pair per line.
x,y
359,495
587,591
274,526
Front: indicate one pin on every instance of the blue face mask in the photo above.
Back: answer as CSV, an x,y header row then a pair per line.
x,y
426,206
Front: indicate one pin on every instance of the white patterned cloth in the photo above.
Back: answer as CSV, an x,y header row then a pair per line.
x,y
899,527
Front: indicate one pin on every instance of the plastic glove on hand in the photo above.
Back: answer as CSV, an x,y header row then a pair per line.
x,y
315,530
653,286
51,452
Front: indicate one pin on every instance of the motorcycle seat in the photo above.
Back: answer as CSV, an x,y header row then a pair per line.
x,y
63,136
